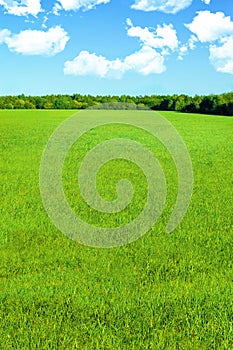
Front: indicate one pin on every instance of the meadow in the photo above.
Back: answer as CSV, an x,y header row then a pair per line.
x,y
163,291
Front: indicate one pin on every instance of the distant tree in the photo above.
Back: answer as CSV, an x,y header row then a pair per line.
x,y
48,105
190,108
206,106
9,106
229,109
29,105
181,102
212,104
19,104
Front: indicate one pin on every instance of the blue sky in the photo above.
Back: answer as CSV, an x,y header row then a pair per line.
x,y
134,47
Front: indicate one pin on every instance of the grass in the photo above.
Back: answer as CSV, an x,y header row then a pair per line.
x,y
163,291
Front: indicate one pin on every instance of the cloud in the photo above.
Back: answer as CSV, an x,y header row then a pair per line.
x,y
183,51
216,30
221,56
207,2
163,36
36,42
86,63
167,6
5,33
75,5
44,22
21,7
146,61
209,27
190,45
150,59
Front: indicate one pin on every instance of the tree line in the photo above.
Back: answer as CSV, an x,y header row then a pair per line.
x,y
212,104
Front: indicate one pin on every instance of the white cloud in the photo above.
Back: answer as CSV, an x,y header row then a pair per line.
x,y
167,6
155,44
44,22
5,33
163,36
86,63
216,30
56,9
192,42
182,52
146,61
21,7
190,45
207,2
209,27
221,56
36,42
75,5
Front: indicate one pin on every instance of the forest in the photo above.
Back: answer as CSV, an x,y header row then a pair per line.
x,y
212,104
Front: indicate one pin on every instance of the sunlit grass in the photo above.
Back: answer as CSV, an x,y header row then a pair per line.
x,y
164,291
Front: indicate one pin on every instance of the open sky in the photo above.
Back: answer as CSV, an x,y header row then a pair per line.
x,y
134,47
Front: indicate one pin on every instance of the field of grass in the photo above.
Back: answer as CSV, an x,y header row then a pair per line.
x,y
163,291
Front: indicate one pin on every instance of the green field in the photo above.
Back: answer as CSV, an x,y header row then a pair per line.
x,y
163,291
